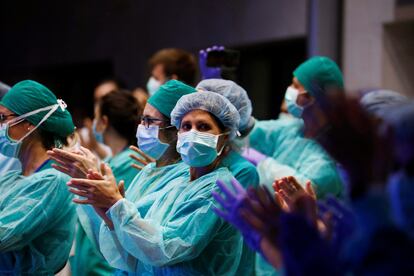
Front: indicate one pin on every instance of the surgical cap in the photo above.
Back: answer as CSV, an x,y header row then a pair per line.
x,y
377,102
234,93
213,103
402,120
319,72
27,96
168,94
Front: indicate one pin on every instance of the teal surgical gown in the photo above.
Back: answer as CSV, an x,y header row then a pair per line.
x,y
37,222
8,164
244,171
178,235
292,154
87,259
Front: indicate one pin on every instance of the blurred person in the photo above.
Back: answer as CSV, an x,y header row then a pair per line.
x,y
171,64
168,239
141,95
87,136
37,216
284,148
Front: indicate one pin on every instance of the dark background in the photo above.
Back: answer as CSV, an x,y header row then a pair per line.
x,y
69,46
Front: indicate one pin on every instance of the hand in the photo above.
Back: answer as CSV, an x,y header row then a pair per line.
x,y
340,221
303,251
263,213
253,156
231,204
145,160
99,190
209,72
74,163
296,199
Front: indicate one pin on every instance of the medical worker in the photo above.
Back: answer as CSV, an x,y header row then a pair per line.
x,y
37,216
242,169
179,234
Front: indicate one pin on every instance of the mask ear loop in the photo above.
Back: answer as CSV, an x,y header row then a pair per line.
x,y
41,122
224,146
52,108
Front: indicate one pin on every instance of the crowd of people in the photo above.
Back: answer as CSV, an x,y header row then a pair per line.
x,y
180,179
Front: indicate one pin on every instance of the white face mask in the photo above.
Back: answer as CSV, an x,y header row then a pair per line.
x,y
153,85
10,147
291,96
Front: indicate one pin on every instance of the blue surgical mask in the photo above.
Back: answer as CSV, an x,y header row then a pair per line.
x,y
152,86
198,149
98,135
293,108
10,147
149,142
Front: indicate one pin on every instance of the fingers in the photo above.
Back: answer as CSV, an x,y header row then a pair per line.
x,y
83,201
86,151
121,188
140,160
220,200
148,158
224,189
83,182
252,220
93,175
309,189
107,172
221,214
59,159
66,154
237,186
294,183
62,169
135,166
82,193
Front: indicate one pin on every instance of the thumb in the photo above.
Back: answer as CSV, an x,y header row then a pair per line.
x,y
309,189
103,171
106,171
121,188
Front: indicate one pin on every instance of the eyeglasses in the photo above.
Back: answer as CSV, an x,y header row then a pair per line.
x,y
3,117
148,121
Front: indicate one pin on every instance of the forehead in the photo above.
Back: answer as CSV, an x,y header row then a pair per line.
x,y
198,115
152,112
4,110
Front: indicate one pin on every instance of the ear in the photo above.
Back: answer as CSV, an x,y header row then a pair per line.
x,y
105,121
28,126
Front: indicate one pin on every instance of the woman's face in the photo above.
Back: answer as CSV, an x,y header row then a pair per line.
x,y
304,98
201,121
15,132
101,122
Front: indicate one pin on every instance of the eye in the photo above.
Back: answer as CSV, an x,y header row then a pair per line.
x,y
186,126
203,127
